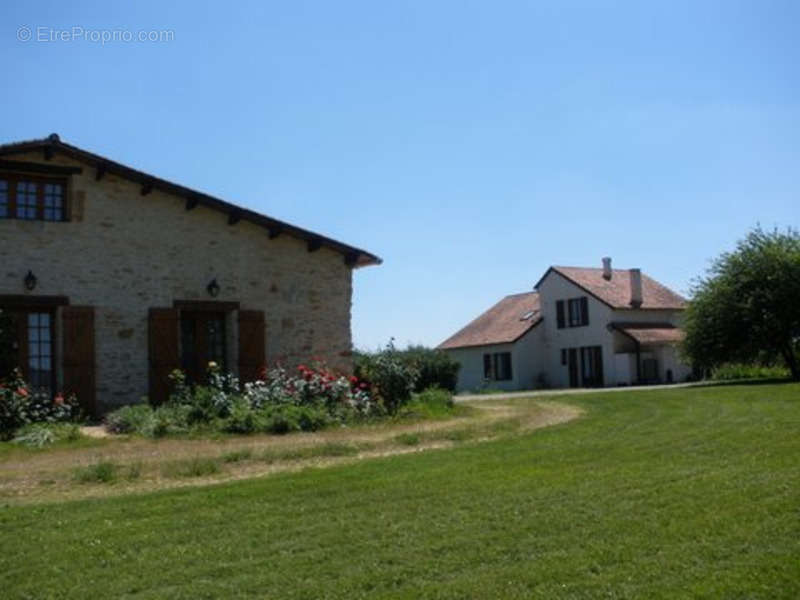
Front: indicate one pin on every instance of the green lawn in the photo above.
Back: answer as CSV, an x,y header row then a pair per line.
x,y
680,493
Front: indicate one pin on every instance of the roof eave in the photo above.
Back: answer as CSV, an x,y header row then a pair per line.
x,y
354,257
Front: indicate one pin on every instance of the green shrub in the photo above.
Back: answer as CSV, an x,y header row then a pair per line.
x,y
435,368
436,398
313,418
143,419
39,435
733,371
432,403
242,418
128,419
168,419
391,378
281,419
100,472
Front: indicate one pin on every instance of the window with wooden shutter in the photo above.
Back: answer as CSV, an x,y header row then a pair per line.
x,y
502,366
163,351
30,198
584,310
79,362
560,314
578,312
592,366
487,366
252,350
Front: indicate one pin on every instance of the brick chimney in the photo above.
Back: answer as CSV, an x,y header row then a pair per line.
x,y
636,288
607,272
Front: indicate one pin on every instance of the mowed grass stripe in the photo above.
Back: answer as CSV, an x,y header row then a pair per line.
x,y
661,494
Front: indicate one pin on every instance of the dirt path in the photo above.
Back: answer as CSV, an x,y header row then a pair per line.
x,y
470,398
146,465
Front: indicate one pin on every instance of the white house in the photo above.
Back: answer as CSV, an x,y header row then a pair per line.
x,y
591,327
501,348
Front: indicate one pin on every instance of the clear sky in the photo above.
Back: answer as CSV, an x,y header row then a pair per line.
x,y
469,144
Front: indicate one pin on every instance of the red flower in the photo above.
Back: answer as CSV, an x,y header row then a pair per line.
x,y
353,379
22,391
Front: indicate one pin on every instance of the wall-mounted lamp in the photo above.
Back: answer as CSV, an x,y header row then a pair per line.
x,y
213,288
30,281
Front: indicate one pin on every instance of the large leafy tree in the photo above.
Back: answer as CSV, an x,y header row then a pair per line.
x,y
747,307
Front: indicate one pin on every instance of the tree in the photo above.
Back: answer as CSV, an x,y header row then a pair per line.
x,y
747,307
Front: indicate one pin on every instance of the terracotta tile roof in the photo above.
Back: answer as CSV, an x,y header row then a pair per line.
x,y
505,322
616,292
651,334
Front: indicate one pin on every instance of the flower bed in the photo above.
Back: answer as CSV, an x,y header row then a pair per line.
x,y
22,405
309,398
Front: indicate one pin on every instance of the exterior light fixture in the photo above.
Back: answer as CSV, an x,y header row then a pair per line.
x,y
30,281
213,288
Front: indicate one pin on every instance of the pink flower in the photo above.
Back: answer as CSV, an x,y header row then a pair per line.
x,y
59,399
22,391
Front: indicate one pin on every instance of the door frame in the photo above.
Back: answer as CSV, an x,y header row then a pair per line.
x,y
574,369
24,304
227,309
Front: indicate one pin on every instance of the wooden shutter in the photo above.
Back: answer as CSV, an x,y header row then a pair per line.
x,y
560,314
487,366
504,368
79,369
584,310
252,355
163,353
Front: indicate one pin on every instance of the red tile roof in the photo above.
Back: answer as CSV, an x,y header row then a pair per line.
x,y
616,292
651,334
505,322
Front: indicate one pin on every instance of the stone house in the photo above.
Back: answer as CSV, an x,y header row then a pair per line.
x,y
581,327
111,277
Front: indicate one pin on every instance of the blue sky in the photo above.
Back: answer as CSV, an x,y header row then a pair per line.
x,y
471,145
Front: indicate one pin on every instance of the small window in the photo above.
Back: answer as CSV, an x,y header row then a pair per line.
x,y
53,202
528,315
497,366
3,198
30,198
26,200
578,309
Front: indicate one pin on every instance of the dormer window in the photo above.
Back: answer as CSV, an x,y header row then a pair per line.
x,y
30,198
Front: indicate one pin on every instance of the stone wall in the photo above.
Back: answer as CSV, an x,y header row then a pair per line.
x,y
124,253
